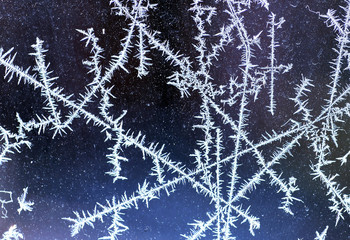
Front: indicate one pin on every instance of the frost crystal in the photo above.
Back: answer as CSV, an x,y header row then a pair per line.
x,y
12,234
24,205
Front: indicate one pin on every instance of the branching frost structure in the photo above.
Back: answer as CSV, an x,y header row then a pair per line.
x,y
24,205
223,119
12,234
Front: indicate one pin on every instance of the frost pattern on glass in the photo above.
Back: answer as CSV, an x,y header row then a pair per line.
x,y
222,106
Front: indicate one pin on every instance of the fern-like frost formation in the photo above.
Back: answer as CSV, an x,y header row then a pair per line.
x,y
225,137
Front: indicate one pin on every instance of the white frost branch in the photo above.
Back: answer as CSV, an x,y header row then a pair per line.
x,y
24,205
12,234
